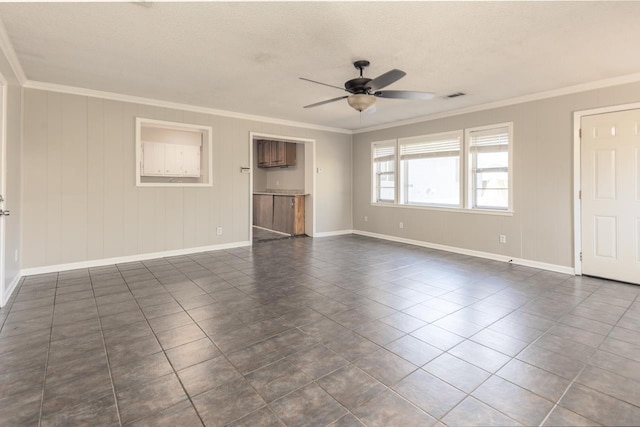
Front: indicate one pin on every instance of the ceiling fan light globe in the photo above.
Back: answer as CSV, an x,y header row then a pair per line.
x,y
361,102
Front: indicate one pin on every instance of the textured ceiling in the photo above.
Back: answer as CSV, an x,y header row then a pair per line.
x,y
247,57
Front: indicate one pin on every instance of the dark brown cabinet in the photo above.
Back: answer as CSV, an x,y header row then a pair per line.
x,y
263,210
288,214
276,153
280,213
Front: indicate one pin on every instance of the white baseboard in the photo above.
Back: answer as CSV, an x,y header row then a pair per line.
x,y
130,258
333,233
479,254
12,287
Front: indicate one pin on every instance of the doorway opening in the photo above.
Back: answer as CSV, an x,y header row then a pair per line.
x,y
282,192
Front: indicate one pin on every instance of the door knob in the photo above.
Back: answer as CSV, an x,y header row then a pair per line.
x,y
4,213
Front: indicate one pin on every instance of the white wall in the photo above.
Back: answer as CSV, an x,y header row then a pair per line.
x,y
541,229
79,165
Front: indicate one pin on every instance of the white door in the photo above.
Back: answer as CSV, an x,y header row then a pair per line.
x,y
610,183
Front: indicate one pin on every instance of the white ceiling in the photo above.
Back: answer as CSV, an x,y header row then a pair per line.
x,y
247,57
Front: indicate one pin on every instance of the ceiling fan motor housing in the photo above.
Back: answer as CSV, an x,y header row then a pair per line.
x,y
357,85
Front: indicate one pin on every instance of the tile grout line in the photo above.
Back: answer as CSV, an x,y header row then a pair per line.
x,y
104,347
46,363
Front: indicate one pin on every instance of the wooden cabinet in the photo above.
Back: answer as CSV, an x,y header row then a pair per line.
x,y
152,159
288,214
174,160
263,210
276,153
280,213
264,153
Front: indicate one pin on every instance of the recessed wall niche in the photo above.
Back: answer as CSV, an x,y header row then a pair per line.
x,y
170,154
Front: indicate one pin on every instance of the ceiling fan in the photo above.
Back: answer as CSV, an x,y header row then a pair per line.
x,y
364,91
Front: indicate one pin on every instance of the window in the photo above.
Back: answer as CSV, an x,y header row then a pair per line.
x,y
170,154
430,170
488,160
384,171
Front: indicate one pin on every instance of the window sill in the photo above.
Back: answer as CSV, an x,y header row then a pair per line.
x,y
445,209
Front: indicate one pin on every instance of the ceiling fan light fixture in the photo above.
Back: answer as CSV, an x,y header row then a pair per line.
x,y
360,101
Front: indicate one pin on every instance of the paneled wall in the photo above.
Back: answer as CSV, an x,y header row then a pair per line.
x,y
541,228
79,193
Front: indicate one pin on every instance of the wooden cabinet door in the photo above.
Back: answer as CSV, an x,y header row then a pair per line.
x,y
298,215
263,210
278,153
264,153
283,213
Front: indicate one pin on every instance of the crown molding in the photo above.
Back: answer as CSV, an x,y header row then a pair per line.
x,y
52,87
615,81
10,54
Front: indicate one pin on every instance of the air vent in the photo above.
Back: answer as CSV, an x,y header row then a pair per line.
x,y
455,95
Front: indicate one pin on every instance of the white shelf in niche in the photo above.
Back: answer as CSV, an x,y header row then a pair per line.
x,y
171,154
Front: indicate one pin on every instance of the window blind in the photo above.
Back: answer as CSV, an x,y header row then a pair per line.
x,y
489,140
384,153
422,148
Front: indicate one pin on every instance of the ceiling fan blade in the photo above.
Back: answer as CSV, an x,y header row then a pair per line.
x,y
320,83
325,102
404,94
386,79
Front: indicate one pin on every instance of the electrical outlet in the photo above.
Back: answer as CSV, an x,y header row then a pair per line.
x,y
15,256
366,219
277,183
219,231
402,225
503,238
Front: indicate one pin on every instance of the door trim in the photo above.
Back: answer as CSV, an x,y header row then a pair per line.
x,y
3,190
577,204
309,177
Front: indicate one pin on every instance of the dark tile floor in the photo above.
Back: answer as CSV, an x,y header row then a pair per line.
x,y
343,331
264,235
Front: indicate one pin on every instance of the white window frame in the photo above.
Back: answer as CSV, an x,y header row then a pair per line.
x,y
466,172
403,183
374,175
471,172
